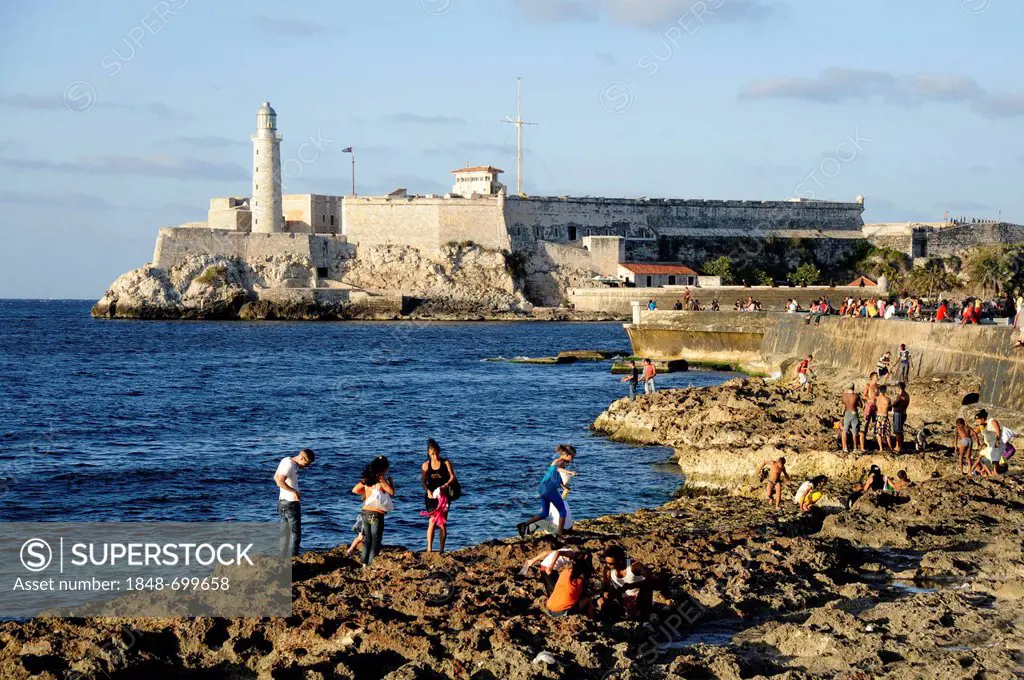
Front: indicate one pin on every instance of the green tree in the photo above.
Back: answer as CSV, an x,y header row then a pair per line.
x,y
930,279
987,268
720,266
763,278
805,275
888,262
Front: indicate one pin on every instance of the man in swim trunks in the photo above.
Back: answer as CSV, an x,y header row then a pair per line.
x,y
851,417
899,415
870,410
776,473
884,430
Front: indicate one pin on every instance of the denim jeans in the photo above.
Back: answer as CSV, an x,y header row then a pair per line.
x,y
649,386
291,526
632,390
373,535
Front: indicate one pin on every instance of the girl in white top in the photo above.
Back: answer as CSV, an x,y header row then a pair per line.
x,y
376,487
992,433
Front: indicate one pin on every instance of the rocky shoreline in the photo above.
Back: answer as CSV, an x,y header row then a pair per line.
x,y
929,587
381,283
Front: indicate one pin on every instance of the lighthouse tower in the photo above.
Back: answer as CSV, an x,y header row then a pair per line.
x,y
267,213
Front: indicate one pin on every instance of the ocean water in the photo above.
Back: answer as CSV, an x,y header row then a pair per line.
x,y
186,421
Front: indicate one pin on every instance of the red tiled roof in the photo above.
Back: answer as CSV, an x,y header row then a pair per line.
x,y
478,168
867,282
646,269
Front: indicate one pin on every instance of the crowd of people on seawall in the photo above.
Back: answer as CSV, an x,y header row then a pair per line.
x,y
968,311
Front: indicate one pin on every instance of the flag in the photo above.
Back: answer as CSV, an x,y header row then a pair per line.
x,y
347,150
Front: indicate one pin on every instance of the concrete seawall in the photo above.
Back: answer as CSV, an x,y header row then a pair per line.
x,y
849,344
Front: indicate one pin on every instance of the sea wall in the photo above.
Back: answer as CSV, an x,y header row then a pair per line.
x,y
849,344
174,246
619,300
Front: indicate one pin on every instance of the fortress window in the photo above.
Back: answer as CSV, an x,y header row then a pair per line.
x,y
572,233
671,280
332,220
648,281
321,272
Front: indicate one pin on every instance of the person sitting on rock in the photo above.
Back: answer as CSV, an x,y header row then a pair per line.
x,y
809,493
552,562
901,484
570,594
627,589
874,480
776,472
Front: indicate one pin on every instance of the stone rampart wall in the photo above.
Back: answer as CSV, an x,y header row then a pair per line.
x,y
425,223
565,219
956,240
174,245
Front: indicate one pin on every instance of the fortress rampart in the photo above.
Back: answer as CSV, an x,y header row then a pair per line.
x,y
175,244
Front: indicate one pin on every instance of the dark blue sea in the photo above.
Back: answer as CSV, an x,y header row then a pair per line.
x,y
142,421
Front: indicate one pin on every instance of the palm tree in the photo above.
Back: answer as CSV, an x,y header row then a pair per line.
x,y
987,270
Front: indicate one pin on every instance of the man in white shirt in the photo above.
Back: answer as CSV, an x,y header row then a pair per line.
x,y
288,504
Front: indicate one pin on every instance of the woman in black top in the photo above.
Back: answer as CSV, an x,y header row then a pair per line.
x,y
437,474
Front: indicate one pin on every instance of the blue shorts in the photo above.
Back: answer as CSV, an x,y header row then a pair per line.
x,y
548,501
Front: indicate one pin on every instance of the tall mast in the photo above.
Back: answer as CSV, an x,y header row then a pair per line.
x,y
519,123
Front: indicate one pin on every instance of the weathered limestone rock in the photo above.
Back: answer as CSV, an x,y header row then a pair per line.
x,y
460,279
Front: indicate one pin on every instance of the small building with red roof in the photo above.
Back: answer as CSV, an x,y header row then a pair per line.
x,y
657,274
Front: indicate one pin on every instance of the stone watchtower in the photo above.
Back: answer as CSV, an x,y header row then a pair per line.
x,y
267,213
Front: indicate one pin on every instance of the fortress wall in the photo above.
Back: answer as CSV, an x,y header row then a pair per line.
x,y
479,220
955,240
174,245
554,219
375,221
424,223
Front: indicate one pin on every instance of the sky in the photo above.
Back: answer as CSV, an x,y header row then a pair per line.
x,y
124,116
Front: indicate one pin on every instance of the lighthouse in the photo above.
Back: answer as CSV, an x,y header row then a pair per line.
x,y
267,213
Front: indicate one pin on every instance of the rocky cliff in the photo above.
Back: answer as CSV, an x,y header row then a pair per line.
x,y
377,282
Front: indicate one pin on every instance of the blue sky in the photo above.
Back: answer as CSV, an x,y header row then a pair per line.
x,y
124,116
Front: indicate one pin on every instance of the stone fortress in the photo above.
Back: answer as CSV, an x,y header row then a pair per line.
x,y
563,241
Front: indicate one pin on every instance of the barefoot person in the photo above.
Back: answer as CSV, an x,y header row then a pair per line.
x,y
376,487
899,415
776,473
289,507
851,417
963,442
804,375
550,491
884,429
991,433
627,589
437,476
903,365
648,378
810,492
870,410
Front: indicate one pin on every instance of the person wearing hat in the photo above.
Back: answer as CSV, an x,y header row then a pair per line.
x,y
873,481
